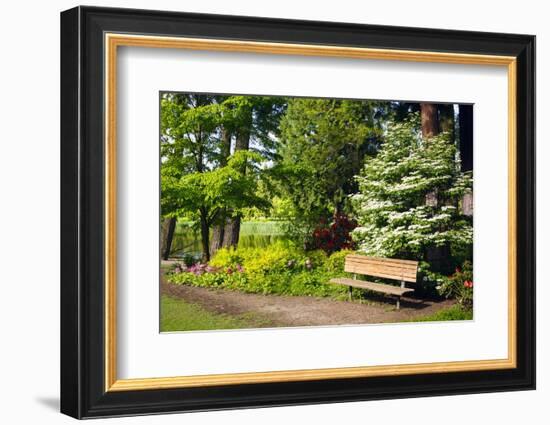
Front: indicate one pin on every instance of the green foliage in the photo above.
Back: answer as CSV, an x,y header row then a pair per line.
x,y
189,260
216,190
459,286
395,219
325,140
335,263
258,115
456,312
282,269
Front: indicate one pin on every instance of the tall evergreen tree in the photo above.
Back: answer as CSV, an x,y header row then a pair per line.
x,y
323,144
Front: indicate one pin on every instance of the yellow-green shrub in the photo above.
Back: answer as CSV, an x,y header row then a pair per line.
x,y
278,269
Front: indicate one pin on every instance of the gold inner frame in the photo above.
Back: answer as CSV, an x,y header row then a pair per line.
x,y
113,41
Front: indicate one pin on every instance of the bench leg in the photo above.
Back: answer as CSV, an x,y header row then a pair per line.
x,y
398,302
350,293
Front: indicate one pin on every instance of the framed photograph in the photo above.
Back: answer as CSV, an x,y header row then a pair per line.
x,y
261,212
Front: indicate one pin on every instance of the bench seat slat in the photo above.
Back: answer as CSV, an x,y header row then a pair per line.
x,y
378,287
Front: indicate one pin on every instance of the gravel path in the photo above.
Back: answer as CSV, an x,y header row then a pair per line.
x,y
302,311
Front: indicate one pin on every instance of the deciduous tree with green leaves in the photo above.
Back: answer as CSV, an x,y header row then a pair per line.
x,y
200,178
252,122
204,196
188,145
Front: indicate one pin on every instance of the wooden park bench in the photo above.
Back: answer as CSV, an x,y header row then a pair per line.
x,y
387,268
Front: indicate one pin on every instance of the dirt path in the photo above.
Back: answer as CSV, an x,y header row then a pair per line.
x,y
301,311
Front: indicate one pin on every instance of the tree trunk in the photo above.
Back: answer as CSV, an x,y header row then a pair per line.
x,y
205,236
430,128
216,243
231,232
466,135
233,227
218,230
220,236
429,119
242,142
447,120
167,235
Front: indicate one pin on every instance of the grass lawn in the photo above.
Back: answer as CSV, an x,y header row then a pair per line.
x,y
178,315
451,313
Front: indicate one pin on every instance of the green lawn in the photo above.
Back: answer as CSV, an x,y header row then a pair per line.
x,y
451,313
178,315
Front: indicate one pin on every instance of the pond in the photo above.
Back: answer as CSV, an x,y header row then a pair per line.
x,y
254,234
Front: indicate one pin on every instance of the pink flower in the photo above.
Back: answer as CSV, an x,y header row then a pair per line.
x,y
468,284
197,269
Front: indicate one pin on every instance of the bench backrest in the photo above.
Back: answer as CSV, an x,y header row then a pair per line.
x,y
389,268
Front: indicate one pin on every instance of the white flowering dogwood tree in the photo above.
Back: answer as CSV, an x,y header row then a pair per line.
x,y
409,197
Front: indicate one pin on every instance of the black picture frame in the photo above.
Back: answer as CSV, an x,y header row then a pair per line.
x,y
83,392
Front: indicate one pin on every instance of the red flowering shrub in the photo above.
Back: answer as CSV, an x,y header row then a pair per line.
x,y
460,286
334,237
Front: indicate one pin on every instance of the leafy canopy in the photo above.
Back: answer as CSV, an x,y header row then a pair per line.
x,y
211,192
